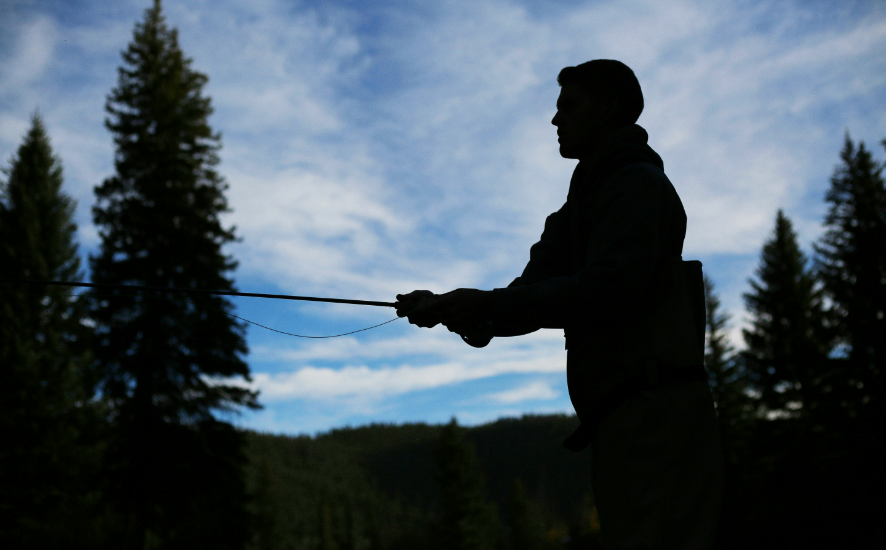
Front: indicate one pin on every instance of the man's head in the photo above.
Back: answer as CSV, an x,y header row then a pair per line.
x,y
596,97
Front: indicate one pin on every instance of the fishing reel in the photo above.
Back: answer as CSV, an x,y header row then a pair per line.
x,y
480,336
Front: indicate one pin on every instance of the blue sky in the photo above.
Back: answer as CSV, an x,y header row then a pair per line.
x,y
373,148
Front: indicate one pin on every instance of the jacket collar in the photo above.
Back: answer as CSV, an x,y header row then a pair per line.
x,y
627,145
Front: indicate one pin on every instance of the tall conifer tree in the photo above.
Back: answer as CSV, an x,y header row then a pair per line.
x,y
729,385
787,345
44,390
719,354
470,521
852,264
527,520
176,470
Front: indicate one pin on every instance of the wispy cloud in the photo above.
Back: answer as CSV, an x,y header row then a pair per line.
x,y
376,370
317,383
527,392
414,342
373,148
30,55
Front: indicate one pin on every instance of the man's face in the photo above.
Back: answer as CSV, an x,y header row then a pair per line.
x,y
581,120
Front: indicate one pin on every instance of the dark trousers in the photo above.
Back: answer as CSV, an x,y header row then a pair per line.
x,y
657,470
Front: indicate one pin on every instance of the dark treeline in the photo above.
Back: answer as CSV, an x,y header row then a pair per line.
x,y
108,400
508,484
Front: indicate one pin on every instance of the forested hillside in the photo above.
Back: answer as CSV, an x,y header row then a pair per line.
x,y
376,486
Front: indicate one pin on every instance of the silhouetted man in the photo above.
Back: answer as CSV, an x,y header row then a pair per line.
x,y
608,270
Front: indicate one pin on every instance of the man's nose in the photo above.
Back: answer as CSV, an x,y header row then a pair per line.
x,y
556,120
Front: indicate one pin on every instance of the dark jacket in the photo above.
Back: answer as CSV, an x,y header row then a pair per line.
x,y
608,270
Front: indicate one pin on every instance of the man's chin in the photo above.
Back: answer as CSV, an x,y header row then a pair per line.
x,y
568,153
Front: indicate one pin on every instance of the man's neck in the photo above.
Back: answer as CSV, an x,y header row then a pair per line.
x,y
601,144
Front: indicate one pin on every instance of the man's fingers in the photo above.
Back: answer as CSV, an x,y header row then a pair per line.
x,y
458,321
413,301
443,303
414,296
456,309
459,327
414,306
422,319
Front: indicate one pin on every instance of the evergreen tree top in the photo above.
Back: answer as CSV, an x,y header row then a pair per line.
x,y
851,262
45,392
166,197
718,349
158,107
34,158
159,222
857,206
786,342
37,214
781,262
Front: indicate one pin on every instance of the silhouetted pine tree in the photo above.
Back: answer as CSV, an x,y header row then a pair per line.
x,y
787,345
737,417
852,264
176,470
469,521
726,377
527,520
327,527
44,391
267,504
584,529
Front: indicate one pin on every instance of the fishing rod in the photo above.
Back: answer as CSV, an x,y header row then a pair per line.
x,y
476,341
225,293
204,291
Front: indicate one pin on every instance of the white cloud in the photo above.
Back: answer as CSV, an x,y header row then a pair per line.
x,y
318,383
738,124
12,130
30,57
375,370
314,162
529,392
413,342
24,61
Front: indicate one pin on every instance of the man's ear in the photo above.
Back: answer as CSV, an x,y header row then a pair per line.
x,y
611,108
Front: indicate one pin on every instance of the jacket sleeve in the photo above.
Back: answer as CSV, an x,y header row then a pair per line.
x,y
547,259
549,256
628,221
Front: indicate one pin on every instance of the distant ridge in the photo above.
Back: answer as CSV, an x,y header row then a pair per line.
x,y
378,480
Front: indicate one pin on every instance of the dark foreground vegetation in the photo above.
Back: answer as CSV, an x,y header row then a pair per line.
x,y
510,484
421,486
109,400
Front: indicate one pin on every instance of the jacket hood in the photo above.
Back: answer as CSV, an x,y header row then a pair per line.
x,y
627,146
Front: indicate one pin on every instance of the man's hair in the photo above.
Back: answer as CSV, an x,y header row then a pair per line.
x,y
607,78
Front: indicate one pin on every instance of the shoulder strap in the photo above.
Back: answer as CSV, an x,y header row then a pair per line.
x,y
694,280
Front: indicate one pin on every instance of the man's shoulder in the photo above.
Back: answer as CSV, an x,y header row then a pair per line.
x,y
640,170
639,176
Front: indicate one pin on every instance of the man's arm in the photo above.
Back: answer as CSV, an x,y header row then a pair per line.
x,y
547,258
625,246
627,242
465,310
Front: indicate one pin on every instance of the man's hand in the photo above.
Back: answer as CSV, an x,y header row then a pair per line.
x,y
460,310
409,306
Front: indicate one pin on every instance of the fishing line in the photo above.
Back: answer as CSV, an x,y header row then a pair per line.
x,y
303,336
97,296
